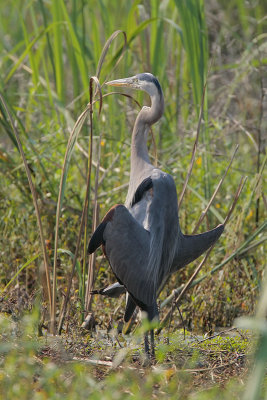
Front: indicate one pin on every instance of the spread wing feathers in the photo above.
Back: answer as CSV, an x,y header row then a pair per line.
x,y
190,247
162,223
97,238
127,246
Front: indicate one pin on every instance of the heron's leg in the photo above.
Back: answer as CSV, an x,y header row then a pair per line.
x,y
152,343
153,314
146,344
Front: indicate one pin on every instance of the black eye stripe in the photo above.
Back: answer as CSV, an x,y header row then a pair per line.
x,y
150,78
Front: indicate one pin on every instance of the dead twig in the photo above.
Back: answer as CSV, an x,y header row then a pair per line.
x,y
264,201
218,334
85,207
215,366
94,362
114,190
92,257
249,135
194,148
86,155
105,50
203,214
91,264
110,168
102,363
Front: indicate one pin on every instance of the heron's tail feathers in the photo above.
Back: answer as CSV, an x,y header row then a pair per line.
x,y
130,308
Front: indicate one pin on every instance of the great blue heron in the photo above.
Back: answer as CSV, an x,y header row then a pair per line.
x,y
142,240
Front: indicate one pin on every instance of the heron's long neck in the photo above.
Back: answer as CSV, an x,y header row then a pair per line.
x,y
147,117
141,166
139,151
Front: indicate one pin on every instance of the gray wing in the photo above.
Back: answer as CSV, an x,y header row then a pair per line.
x,y
154,206
140,243
126,245
190,247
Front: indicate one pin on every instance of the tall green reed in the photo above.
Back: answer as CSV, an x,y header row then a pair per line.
x,y
195,42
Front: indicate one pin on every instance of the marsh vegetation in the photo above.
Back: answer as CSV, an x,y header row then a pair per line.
x,y
64,161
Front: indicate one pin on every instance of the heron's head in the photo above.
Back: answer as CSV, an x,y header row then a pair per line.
x,y
145,81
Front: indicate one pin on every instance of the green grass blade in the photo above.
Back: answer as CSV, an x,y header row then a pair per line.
x,y
69,151
58,48
195,43
32,59
78,267
78,53
50,51
29,262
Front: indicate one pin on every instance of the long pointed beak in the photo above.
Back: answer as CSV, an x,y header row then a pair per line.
x,y
125,82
